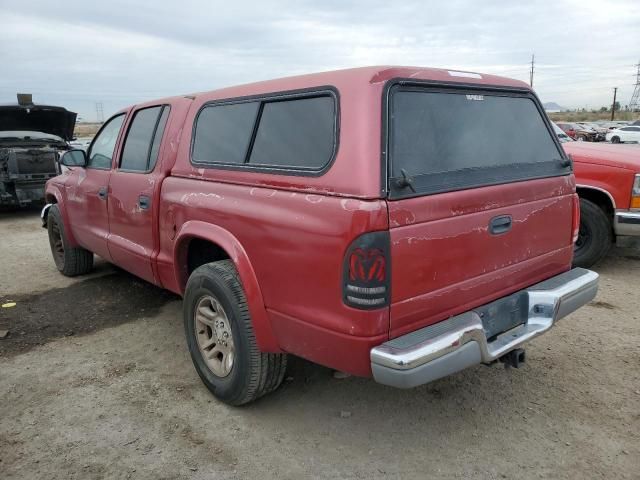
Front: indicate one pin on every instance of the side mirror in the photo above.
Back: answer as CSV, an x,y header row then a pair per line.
x,y
74,158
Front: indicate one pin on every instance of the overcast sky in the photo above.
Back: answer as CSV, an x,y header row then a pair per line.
x,y
76,53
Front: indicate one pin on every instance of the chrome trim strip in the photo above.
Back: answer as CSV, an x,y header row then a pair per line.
x,y
549,301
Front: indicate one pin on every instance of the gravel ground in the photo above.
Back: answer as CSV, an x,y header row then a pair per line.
x,y
96,382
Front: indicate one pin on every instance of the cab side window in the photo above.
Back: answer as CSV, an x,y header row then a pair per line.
x,y
103,146
141,147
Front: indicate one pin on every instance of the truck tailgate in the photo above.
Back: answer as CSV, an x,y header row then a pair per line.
x,y
481,200
446,260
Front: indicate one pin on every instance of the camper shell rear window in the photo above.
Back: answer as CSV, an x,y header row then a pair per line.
x,y
442,139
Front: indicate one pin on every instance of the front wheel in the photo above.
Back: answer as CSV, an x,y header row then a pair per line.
x,y
615,140
70,261
595,236
221,339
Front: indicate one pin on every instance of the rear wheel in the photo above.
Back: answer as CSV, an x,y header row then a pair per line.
x,y
70,261
221,339
615,139
595,236
581,138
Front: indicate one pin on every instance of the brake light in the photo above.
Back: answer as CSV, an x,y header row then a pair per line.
x,y
365,279
576,217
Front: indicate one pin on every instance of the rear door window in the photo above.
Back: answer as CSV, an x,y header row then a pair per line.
x,y
157,138
450,140
140,151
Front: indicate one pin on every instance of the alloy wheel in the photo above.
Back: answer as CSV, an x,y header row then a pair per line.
x,y
214,336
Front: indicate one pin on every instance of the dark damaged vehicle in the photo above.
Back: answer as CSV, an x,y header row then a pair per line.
x,y
31,138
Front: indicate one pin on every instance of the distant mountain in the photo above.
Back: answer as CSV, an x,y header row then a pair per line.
x,y
553,107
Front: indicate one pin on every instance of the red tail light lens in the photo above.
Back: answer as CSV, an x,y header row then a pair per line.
x,y
366,272
576,217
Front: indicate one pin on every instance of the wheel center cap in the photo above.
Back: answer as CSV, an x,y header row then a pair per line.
x,y
220,330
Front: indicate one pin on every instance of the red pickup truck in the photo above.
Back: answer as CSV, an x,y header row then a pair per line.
x,y
608,178
344,217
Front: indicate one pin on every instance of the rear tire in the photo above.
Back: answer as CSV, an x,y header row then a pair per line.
x,y
581,138
70,261
615,139
221,338
595,237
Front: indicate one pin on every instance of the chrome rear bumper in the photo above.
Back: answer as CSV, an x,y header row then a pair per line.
x,y
461,341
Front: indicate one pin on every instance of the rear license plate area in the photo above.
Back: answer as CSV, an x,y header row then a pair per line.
x,y
504,314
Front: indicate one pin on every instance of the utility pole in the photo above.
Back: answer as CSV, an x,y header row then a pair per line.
x,y
533,59
613,105
99,112
634,104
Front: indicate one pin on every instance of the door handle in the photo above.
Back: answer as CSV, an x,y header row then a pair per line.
x,y
103,192
501,224
144,202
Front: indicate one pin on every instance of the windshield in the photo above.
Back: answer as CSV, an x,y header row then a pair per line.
x,y
453,140
25,136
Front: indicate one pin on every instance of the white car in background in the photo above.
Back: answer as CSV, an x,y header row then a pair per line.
x,y
81,143
624,134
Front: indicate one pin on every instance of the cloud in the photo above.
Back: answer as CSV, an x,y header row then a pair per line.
x,y
120,53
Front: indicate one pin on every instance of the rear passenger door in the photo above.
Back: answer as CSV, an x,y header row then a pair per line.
x,y
134,192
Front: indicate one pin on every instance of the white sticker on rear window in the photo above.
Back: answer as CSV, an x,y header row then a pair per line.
x,y
475,97
454,73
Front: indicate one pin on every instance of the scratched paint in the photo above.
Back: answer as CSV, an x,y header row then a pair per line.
x,y
444,255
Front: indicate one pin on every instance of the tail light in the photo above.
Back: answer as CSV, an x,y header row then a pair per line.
x,y
635,193
576,218
366,272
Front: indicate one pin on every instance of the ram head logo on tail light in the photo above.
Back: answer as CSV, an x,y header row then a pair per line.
x,y
367,265
366,271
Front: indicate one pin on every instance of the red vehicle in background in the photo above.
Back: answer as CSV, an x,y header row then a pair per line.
x,y
608,183
580,133
568,128
342,217
608,178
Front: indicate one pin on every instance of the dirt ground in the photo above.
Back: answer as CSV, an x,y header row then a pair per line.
x,y
96,382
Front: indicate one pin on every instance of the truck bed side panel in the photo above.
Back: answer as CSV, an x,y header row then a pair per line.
x,y
295,242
